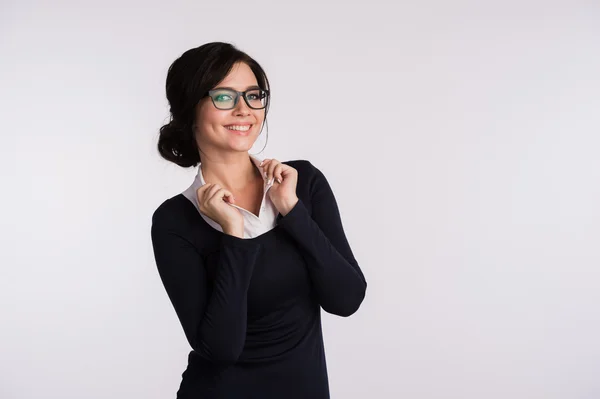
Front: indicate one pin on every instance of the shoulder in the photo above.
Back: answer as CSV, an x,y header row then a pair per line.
x,y
311,180
174,212
307,171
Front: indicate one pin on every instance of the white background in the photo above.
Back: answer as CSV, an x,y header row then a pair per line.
x,y
461,140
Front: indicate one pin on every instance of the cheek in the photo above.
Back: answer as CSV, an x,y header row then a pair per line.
x,y
260,117
215,123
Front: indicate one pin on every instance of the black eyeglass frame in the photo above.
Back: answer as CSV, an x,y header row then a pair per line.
x,y
238,94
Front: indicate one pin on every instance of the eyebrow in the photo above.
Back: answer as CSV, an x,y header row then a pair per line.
x,y
231,88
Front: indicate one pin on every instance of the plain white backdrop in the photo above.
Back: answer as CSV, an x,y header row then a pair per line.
x,y
461,139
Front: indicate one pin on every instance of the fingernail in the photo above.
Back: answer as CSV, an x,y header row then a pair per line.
x,y
261,162
279,180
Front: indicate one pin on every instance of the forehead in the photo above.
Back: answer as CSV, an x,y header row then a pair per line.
x,y
240,77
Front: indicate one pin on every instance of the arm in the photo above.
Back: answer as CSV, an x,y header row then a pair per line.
x,y
336,277
215,325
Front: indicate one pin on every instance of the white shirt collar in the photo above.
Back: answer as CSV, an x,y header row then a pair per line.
x,y
253,225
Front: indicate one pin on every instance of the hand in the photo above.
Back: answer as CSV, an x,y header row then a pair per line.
x,y
283,192
213,201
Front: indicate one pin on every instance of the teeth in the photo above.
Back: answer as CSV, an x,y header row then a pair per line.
x,y
240,128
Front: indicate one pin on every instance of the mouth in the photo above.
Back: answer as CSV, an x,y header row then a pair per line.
x,y
240,130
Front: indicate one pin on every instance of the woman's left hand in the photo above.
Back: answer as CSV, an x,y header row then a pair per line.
x,y
283,191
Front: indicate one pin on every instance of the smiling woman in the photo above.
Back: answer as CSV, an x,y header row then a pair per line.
x,y
199,91
254,248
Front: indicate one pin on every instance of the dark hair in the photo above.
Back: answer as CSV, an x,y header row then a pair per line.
x,y
189,78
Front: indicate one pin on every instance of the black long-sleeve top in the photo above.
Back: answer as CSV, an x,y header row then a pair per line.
x,y
250,308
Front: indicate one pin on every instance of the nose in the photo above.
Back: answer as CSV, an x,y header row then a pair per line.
x,y
241,108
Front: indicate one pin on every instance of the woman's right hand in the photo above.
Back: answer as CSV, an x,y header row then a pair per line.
x,y
213,201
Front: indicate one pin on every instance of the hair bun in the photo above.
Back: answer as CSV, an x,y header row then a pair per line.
x,y
177,144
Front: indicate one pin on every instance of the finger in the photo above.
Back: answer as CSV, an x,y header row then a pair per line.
x,y
221,194
287,170
264,165
277,173
271,168
226,195
212,191
201,192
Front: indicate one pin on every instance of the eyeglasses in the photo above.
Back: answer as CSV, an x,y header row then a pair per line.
x,y
228,99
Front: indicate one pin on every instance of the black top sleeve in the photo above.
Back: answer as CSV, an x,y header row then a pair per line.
x,y
335,274
215,324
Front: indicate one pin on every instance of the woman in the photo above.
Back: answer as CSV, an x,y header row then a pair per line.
x,y
252,250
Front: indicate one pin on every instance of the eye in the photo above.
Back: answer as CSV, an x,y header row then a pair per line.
x,y
222,97
256,95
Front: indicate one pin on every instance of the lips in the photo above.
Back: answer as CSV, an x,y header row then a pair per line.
x,y
240,132
239,124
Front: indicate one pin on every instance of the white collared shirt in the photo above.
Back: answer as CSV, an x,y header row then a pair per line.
x,y
253,225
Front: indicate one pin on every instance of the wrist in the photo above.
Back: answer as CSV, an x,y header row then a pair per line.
x,y
288,206
236,231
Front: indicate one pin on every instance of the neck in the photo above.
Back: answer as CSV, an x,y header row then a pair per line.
x,y
233,172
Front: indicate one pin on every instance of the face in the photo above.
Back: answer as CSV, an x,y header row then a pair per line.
x,y
212,133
